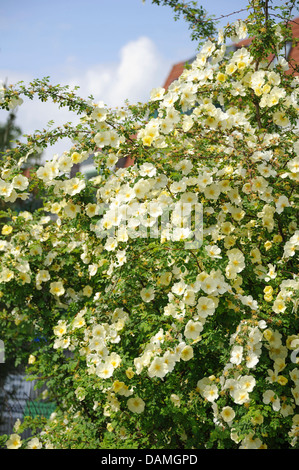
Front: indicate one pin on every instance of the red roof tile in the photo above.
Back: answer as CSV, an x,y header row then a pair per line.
x,y
175,72
177,69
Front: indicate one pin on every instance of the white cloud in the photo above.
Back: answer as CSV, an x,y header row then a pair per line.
x,y
139,69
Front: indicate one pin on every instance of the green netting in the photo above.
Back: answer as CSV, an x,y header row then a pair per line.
x,y
37,408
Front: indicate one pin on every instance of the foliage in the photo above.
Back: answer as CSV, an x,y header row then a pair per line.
x,y
144,339
200,24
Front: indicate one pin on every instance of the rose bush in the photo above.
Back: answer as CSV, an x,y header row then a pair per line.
x,y
163,295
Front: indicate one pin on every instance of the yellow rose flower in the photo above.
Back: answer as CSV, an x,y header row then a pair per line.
x,y
282,380
130,373
6,229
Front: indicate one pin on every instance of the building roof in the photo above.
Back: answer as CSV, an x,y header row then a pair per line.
x,y
178,68
175,72
295,50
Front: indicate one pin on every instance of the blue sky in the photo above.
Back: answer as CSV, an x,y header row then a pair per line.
x,y
41,37
113,49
